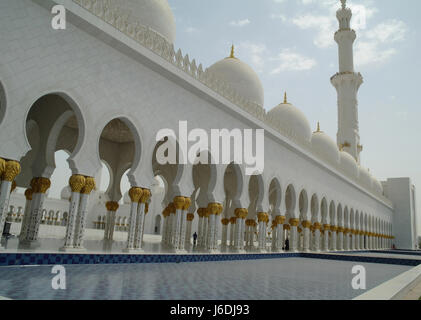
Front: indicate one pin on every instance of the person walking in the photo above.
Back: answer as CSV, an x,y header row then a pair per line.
x,y
194,239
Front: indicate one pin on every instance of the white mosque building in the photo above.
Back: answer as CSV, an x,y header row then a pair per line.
x,y
101,90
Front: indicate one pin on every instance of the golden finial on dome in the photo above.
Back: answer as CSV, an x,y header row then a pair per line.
x,y
318,128
232,52
285,98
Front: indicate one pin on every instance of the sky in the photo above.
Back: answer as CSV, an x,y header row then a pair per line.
x,y
289,43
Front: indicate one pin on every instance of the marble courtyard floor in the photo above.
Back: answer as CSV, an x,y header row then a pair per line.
x,y
278,279
266,279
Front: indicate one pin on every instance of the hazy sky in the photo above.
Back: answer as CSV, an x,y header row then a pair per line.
x,y
290,44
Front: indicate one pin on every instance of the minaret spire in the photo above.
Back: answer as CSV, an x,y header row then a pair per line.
x,y
285,98
347,82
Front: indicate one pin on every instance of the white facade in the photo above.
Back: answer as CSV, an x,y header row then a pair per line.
x,y
103,88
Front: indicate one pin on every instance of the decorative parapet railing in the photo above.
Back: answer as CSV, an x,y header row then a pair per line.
x,y
111,13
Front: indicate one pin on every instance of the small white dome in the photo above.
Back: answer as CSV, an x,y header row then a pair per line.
x,y
66,193
348,164
377,186
155,14
325,146
291,121
240,77
365,178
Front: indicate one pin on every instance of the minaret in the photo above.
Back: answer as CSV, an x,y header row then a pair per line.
x,y
347,83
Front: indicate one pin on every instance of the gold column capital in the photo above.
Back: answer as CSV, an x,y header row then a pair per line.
x,y
40,185
306,224
2,166
221,208
317,226
166,212
287,227
262,217
294,222
233,220
179,202
28,194
112,206
146,194
326,227
213,208
333,228
280,219
241,213
89,185
187,203
135,194
225,221
11,170
76,183
190,217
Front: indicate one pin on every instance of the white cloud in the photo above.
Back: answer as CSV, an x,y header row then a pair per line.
x,y
370,53
375,46
255,53
281,17
191,30
293,61
389,31
240,23
324,26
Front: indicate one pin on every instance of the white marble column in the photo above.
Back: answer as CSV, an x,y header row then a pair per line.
x,y
241,215
171,218
340,239
200,230
326,228
26,215
306,233
82,213
183,224
333,238
225,224
274,235
166,214
293,241
39,187
280,240
263,219
135,194
190,218
8,172
316,227
140,219
112,207
76,183
232,233
217,226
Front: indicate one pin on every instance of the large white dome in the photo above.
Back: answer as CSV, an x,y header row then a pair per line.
x,y
155,14
348,164
290,120
240,77
365,178
325,146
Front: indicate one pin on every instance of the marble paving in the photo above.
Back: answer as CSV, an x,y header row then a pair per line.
x,y
278,279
